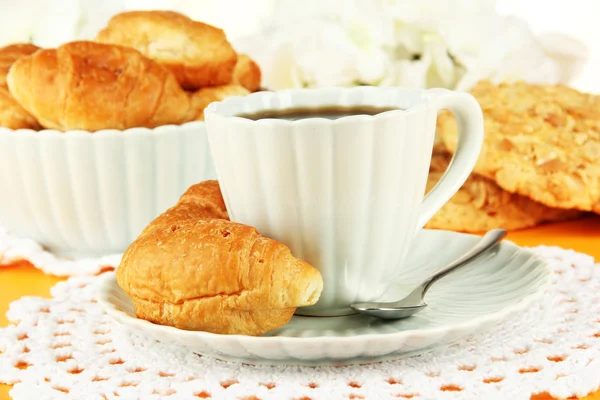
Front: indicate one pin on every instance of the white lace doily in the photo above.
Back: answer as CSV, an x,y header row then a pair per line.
x,y
67,347
14,249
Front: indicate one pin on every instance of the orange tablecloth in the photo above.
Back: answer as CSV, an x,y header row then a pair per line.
x,y
582,235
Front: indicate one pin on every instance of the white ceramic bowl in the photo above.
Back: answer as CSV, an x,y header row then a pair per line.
x,y
87,194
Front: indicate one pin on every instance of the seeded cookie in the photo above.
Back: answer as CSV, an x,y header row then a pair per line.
x,y
481,205
542,142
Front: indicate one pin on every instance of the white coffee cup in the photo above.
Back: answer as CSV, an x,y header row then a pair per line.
x,y
346,195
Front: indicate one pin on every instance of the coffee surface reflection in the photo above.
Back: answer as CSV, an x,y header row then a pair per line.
x,y
329,112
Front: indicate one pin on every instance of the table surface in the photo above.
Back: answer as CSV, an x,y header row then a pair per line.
x,y
581,235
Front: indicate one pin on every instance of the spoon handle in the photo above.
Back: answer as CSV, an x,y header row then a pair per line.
x,y
489,240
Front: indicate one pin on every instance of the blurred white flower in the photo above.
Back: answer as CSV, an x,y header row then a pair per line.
x,y
425,43
318,53
50,23
16,23
371,65
284,72
427,14
443,71
500,49
57,23
570,54
407,73
325,54
94,16
236,17
421,59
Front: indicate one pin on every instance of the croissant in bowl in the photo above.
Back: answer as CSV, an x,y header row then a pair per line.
x,y
198,54
193,269
12,114
93,86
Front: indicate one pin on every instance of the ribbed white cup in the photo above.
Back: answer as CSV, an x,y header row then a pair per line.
x,y
85,194
345,195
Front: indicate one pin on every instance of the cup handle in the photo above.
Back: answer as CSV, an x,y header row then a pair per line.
x,y
469,118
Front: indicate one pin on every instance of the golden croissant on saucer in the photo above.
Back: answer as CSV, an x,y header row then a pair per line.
x,y
193,269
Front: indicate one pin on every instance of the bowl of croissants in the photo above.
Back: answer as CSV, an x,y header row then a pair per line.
x,y
98,137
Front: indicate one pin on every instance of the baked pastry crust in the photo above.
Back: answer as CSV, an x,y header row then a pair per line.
x,y
198,54
247,73
542,142
12,115
201,201
481,205
11,53
195,270
203,97
93,86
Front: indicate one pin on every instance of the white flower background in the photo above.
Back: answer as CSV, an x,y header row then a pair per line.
x,y
408,43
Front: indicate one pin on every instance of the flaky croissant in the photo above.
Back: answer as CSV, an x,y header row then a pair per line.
x,y
11,53
193,269
200,99
247,73
12,114
94,86
198,54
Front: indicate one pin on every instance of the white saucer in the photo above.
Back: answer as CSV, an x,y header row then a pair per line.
x,y
465,302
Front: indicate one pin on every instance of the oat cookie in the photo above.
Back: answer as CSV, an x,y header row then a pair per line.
x,y
481,205
542,142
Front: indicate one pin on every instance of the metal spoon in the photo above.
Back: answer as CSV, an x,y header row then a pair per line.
x,y
414,301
